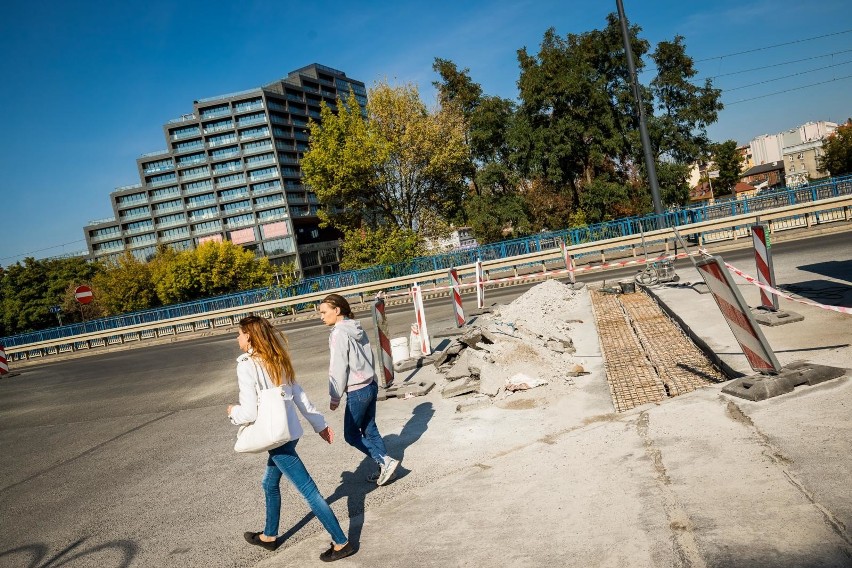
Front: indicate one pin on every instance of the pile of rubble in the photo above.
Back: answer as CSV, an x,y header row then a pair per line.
x,y
515,347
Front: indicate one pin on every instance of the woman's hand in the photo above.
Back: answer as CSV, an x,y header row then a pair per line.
x,y
333,405
230,406
327,434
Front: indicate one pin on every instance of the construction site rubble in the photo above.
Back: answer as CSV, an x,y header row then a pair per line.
x,y
519,346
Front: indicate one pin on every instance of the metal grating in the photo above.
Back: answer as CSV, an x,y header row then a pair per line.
x,y
647,357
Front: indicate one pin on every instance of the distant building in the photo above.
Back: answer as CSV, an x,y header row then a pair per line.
x,y
231,171
766,149
747,156
743,190
460,238
801,160
765,176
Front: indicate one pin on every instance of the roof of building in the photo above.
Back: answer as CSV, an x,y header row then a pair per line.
x,y
763,168
743,187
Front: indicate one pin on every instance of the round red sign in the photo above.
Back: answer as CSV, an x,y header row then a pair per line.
x,y
83,294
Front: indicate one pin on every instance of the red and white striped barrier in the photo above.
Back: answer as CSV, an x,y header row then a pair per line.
x,y
385,356
765,271
738,315
569,262
4,363
420,314
480,286
457,300
752,280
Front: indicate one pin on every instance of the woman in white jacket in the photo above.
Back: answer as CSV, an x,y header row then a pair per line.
x,y
266,362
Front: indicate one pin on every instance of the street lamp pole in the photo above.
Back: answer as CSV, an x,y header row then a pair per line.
x,y
643,128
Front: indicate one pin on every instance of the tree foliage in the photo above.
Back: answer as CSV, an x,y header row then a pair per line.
x,y
384,245
125,285
729,163
389,169
837,151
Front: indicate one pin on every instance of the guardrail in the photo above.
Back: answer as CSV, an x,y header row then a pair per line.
x,y
780,219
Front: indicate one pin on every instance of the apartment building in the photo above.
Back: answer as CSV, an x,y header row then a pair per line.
x,y
231,171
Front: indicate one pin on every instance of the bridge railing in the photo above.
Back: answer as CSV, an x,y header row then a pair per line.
x,y
619,228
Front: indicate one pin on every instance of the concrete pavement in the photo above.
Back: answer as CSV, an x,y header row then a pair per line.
x,y
700,480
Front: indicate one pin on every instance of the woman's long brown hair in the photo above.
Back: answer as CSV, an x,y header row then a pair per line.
x,y
270,346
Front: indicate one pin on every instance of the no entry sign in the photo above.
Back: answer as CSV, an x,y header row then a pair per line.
x,y
83,294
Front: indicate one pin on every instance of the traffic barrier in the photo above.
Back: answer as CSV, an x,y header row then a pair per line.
x,y
420,314
385,356
480,285
4,363
765,270
737,314
569,263
752,280
457,300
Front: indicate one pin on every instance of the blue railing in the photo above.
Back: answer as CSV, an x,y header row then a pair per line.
x,y
624,227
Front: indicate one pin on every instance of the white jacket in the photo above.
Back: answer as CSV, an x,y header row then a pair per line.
x,y
250,373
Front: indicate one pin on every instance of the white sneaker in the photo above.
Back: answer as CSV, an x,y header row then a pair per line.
x,y
388,469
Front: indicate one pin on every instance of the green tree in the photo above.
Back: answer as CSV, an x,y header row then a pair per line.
x,y
386,245
729,163
837,151
29,289
389,169
211,269
125,285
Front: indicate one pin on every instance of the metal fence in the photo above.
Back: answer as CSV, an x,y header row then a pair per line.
x,y
629,226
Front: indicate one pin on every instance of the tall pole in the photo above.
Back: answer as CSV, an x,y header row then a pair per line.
x,y
643,128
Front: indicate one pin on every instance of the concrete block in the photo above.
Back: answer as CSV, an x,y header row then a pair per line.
x,y
491,380
555,346
451,332
459,388
473,403
460,368
798,373
409,388
471,338
449,353
769,318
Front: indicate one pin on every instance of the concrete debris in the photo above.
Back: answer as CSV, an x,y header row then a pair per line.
x,y
492,356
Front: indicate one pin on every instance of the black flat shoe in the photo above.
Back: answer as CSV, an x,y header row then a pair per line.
x,y
331,555
254,538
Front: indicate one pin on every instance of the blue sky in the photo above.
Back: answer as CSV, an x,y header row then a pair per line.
x,y
87,86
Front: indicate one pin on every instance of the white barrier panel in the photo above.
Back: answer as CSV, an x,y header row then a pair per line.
x,y
68,347
132,336
184,328
165,331
81,345
763,260
148,334
113,339
223,321
203,324
420,314
738,315
99,342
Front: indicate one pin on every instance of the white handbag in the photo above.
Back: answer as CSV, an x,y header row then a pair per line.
x,y
272,427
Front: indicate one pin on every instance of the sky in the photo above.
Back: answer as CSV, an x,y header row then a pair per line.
x,y
87,86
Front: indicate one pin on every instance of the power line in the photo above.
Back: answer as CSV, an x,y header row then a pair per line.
x,y
762,67
25,254
787,76
788,90
772,46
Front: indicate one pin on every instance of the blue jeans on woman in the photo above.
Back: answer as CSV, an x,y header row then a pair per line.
x,y
359,423
284,460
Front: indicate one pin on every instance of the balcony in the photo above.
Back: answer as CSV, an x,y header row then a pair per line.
x,y
259,148
198,189
263,162
207,230
205,114
187,134
162,182
99,238
249,108
230,183
192,161
218,128
157,169
139,215
138,230
196,175
222,141
225,154
262,176
172,223
254,134
189,148
249,120
233,210
169,209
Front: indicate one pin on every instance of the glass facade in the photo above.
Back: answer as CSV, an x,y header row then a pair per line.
x,y
231,171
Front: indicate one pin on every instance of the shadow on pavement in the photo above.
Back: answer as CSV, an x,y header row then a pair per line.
x,y
125,549
839,269
354,485
822,292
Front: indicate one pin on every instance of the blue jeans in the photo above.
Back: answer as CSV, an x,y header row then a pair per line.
x,y
359,423
285,460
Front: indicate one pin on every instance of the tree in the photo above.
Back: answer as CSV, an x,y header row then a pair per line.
x,y
125,285
837,151
390,168
28,290
386,245
728,161
211,269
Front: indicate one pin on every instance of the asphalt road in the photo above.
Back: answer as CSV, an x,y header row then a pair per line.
x,y
125,459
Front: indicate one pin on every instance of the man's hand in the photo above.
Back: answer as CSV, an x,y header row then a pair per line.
x,y
327,434
333,405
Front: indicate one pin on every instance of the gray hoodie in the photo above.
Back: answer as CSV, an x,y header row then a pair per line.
x,y
351,365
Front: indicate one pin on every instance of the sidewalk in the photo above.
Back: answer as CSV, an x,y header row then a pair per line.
x,y
702,479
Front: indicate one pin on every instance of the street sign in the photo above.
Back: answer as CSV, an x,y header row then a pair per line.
x,y
83,294
714,174
55,309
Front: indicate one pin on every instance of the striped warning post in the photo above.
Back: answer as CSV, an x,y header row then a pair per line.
x,y
457,301
569,262
765,271
384,351
4,364
738,315
420,314
480,285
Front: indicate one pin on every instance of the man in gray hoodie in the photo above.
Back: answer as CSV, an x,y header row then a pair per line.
x,y
351,371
